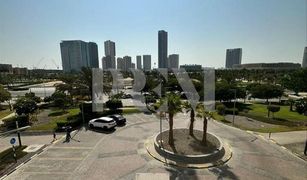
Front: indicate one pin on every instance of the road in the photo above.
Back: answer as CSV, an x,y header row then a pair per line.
x,y
121,155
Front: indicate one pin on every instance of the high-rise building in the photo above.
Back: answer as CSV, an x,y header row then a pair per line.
x,y
139,62
304,64
93,55
109,48
133,65
120,63
162,49
173,61
127,63
77,54
233,56
108,62
147,62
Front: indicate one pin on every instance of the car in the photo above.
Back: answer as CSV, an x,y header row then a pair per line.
x,y
120,120
127,96
102,122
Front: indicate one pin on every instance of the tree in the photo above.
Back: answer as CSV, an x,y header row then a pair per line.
x,y
266,91
25,106
190,109
5,96
86,79
60,100
174,106
301,106
296,81
273,109
201,112
31,95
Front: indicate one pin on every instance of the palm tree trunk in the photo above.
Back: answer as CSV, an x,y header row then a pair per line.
x,y
204,140
170,135
192,115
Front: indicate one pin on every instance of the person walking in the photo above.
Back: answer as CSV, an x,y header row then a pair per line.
x,y
305,150
54,136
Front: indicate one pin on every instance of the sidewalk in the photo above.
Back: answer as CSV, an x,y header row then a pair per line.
x,y
287,137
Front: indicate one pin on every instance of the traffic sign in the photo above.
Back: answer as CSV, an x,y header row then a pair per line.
x,y
12,141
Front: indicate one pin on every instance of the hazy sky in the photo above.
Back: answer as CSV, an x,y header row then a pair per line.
x,y
199,31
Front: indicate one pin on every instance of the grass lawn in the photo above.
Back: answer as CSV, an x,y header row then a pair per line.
x,y
56,116
130,110
4,113
284,113
6,156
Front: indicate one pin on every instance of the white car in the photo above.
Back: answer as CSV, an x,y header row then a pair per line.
x,y
102,122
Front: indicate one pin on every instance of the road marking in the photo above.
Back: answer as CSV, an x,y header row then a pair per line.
x,y
60,158
73,147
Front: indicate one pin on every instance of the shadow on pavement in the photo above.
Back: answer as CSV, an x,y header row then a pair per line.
x,y
223,172
100,130
182,173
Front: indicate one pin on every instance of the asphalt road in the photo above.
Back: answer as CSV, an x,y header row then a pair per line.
x,y
121,155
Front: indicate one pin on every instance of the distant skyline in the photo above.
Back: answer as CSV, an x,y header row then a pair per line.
x,y
199,31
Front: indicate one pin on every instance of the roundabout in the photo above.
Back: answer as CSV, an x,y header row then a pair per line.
x,y
188,151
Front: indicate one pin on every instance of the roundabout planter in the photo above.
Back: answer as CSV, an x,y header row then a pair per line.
x,y
217,154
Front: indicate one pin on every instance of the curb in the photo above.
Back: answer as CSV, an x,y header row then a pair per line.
x,y
16,166
41,150
274,142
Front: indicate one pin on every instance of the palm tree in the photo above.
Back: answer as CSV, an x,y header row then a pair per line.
x,y
188,106
173,107
201,112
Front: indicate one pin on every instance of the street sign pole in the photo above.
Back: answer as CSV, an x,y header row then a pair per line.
x,y
14,153
18,134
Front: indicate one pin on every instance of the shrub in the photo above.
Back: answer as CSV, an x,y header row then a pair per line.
x,y
220,109
114,104
273,109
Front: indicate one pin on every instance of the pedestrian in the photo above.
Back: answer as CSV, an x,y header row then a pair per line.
x,y
305,150
54,136
67,134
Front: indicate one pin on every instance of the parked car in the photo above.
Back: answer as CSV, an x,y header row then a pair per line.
x,y
102,122
127,96
120,120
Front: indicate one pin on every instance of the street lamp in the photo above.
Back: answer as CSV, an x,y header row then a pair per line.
x,y
234,105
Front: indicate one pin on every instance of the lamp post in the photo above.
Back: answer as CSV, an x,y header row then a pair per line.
x,y
234,106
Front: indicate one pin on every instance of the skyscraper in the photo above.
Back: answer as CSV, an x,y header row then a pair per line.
x,y
162,49
139,62
77,54
147,62
109,59
233,56
173,61
120,63
93,55
108,62
127,63
304,64
109,48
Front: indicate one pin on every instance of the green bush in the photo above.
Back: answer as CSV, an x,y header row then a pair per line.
x,y
220,109
10,123
273,109
114,104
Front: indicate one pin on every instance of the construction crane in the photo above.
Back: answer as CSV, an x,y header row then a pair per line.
x,y
57,66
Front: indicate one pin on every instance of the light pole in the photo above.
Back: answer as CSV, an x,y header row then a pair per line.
x,y
234,106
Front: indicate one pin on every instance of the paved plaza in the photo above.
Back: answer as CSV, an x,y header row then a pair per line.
x,y
121,155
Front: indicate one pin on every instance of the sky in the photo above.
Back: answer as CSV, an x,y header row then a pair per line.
x,y
199,31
